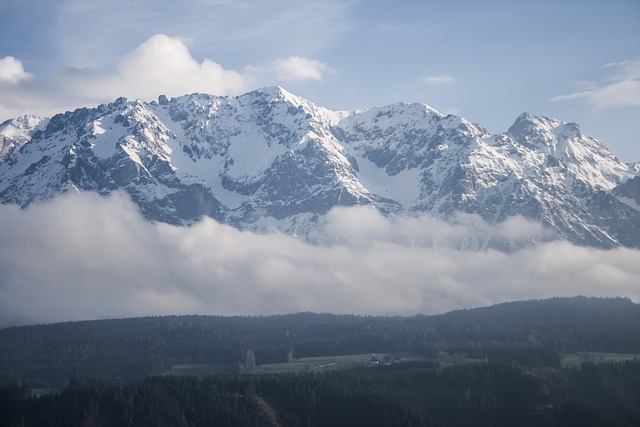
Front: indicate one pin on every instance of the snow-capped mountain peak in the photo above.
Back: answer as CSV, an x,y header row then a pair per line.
x,y
16,132
269,158
563,143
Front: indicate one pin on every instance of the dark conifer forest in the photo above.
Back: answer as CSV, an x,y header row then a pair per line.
x,y
556,362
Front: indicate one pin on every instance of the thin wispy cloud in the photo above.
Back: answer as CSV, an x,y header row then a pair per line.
x,y
621,89
125,55
437,80
388,26
22,93
244,29
83,256
375,46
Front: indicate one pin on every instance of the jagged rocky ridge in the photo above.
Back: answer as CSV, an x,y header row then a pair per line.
x,y
269,159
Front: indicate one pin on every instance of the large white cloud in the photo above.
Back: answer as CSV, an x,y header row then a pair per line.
x,y
83,257
12,71
160,65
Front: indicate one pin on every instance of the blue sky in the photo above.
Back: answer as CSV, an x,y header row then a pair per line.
x,y
575,60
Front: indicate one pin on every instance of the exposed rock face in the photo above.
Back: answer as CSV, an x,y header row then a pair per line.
x,y
271,159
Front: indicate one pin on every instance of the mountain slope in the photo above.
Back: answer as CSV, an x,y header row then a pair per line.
x,y
269,159
16,132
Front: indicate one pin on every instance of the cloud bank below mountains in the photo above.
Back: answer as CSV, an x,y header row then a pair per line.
x,y
83,256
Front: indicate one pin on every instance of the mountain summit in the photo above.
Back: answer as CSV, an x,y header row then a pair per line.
x,y
270,159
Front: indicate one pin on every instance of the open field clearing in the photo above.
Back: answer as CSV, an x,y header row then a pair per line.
x,y
574,360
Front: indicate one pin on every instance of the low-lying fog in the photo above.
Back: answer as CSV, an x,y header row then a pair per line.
x,y
83,256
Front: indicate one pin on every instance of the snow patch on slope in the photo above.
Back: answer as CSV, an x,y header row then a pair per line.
x,y
402,187
16,132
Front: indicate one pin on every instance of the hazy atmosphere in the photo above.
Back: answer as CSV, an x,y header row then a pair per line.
x,y
121,265
489,61
82,256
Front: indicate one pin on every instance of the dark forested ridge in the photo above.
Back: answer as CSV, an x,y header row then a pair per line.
x,y
492,366
408,394
530,332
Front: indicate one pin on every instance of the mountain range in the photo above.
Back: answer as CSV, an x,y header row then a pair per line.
x,y
269,159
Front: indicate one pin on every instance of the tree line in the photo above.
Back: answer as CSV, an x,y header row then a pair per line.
x,y
407,394
529,333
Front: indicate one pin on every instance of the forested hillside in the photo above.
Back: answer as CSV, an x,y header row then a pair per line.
x,y
531,333
557,362
408,394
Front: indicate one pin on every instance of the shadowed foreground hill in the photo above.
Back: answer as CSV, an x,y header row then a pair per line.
x,y
503,365
48,355
407,394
